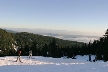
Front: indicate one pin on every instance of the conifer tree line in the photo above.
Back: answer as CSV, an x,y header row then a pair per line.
x,y
41,45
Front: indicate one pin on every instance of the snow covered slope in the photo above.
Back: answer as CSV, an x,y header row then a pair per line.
x,y
48,64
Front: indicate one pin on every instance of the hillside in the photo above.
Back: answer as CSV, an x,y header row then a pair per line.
x,y
6,41
9,41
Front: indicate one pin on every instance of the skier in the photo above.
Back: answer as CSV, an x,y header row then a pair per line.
x,y
90,57
30,54
19,56
47,54
73,57
65,56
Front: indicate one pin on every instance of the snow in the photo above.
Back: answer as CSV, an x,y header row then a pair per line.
x,y
48,64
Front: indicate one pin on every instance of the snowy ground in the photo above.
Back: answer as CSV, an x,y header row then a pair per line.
x,y
48,64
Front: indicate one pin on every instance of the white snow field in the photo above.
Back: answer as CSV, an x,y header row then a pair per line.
x,y
48,64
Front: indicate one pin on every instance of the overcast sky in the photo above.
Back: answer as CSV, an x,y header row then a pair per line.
x,y
90,16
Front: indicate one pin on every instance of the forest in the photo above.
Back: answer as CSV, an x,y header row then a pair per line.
x,y
40,45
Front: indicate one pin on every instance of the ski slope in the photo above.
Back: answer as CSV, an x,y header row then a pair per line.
x,y
48,64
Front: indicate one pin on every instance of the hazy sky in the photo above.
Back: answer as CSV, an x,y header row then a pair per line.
x,y
73,15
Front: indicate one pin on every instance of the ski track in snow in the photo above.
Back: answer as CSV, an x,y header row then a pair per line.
x,y
48,64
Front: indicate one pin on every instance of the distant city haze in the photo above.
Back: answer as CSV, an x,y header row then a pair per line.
x,y
61,34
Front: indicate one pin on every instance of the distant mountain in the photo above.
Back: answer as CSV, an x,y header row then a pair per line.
x,y
62,34
11,31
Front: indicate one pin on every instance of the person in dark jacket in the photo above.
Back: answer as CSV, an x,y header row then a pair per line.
x,y
90,57
19,56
